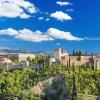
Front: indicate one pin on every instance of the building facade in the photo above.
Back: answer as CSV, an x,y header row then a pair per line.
x,y
20,56
97,62
65,59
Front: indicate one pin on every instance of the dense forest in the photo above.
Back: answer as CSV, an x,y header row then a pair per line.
x,y
15,85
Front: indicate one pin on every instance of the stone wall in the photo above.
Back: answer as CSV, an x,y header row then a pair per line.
x,y
78,60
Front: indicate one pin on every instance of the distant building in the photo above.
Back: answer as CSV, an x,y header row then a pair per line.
x,y
8,60
60,56
65,59
19,56
5,62
97,62
24,56
52,60
60,53
25,63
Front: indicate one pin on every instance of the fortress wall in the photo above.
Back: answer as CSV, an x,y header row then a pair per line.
x,y
86,58
77,60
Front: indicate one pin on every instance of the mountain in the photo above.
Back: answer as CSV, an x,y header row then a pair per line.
x,y
9,50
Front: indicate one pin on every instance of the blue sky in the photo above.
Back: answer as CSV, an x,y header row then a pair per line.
x,y
47,24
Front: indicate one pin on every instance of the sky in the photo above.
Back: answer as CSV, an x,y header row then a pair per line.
x,y
37,25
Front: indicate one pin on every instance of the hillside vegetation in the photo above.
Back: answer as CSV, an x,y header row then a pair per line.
x,y
18,84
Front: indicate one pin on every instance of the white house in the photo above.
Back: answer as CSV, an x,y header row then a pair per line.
x,y
97,62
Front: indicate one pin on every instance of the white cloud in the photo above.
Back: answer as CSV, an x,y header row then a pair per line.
x,y
92,38
55,33
38,36
23,15
63,3
16,8
41,18
47,19
70,10
9,32
59,15
58,44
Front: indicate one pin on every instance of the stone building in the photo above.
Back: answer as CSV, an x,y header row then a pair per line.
x,y
19,56
97,62
60,53
9,60
65,59
5,62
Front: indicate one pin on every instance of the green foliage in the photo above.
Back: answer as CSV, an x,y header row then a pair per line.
x,y
15,85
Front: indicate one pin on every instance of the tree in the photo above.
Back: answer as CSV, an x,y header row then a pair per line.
x,y
73,53
29,59
74,90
